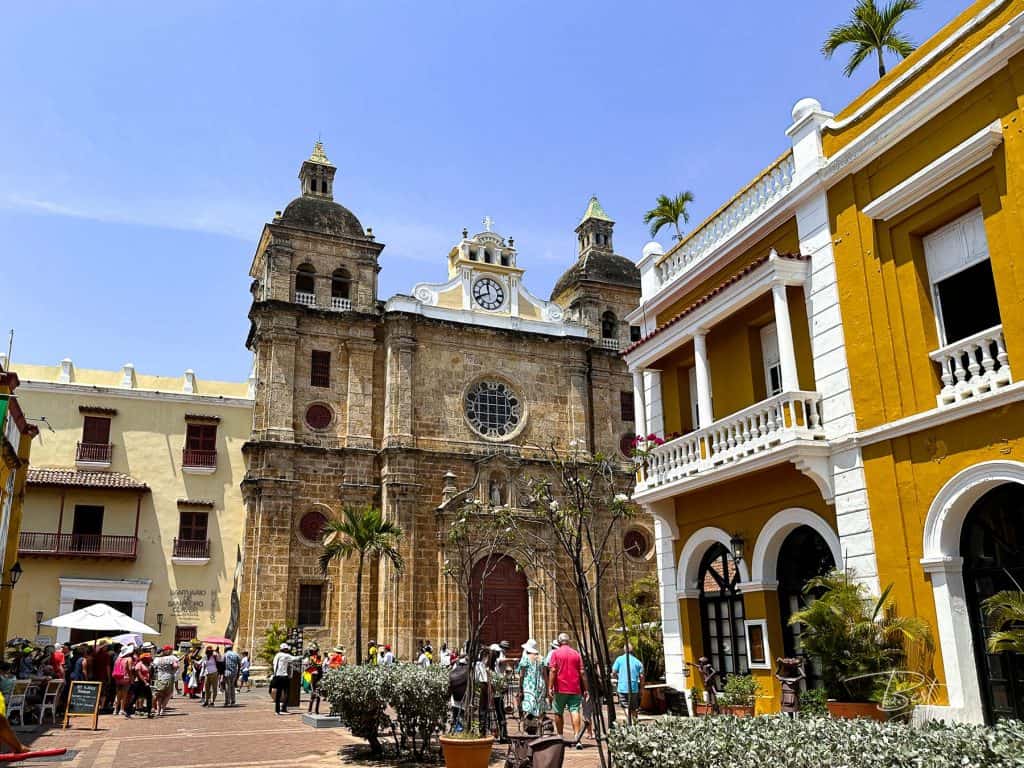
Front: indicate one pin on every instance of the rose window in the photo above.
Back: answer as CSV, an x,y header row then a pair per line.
x,y
493,409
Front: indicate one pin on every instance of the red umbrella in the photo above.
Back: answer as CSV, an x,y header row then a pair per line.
x,y
218,641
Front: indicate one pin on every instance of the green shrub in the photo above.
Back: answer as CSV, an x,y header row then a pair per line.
x,y
359,695
419,697
276,635
813,703
712,742
739,691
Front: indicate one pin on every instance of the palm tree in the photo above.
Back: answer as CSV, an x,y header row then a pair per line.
x,y
669,210
361,531
872,30
1005,611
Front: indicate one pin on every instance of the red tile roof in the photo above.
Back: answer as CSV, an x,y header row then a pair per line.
x,y
732,280
59,477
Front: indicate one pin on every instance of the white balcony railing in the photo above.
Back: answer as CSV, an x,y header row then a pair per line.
x,y
608,343
339,304
305,299
760,195
766,425
973,366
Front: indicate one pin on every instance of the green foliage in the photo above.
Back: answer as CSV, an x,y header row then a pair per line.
x,y
1005,612
813,703
419,696
642,610
871,30
713,742
359,694
667,211
272,642
856,637
739,691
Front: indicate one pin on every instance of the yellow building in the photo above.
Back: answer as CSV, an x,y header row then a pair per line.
x,y
132,499
834,346
15,445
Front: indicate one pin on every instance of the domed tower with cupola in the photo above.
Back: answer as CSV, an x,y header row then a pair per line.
x,y
601,287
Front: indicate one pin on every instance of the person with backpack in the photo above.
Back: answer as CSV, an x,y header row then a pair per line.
x,y
458,685
122,677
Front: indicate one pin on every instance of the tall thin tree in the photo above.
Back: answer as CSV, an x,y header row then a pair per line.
x,y
361,532
872,30
667,211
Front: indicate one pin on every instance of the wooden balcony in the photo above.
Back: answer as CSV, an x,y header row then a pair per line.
x,y
93,454
192,549
199,461
35,543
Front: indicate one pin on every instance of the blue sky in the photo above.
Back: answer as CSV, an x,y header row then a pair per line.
x,y
141,149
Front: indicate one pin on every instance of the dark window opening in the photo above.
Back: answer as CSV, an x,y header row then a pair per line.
x,y
634,333
340,284
311,605
320,369
192,526
626,410
185,634
504,260
319,416
609,326
96,429
803,556
305,280
967,302
201,437
721,607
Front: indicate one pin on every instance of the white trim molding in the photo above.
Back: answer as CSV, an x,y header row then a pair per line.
x,y
765,559
766,663
937,173
943,562
134,591
688,570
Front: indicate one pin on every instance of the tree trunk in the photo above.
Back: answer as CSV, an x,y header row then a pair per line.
x,y
359,611
881,65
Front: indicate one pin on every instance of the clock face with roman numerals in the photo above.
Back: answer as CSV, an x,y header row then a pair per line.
x,y
488,293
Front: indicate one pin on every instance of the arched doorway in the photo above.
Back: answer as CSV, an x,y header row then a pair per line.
x,y
506,603
804,555
992,547
721,611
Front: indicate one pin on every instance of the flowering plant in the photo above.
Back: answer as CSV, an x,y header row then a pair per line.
x,y
643,445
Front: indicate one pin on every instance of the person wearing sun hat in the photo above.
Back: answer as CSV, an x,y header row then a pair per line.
x,y
164,668
533,687
281,669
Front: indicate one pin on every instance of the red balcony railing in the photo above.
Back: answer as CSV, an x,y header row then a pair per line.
x,y
77,545
192,548
193,457
95,453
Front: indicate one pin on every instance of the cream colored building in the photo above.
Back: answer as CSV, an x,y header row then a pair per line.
x,y
132,499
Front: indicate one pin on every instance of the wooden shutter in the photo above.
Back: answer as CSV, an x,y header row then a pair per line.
x,y
96,429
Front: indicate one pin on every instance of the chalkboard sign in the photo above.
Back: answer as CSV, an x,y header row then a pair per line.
x,y
84,701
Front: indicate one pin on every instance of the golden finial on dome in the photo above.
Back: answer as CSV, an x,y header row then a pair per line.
x,y
319,156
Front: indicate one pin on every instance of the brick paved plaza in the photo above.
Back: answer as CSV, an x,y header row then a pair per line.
x,y
195,737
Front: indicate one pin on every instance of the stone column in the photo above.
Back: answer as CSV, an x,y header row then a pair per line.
x,y
399,386
279,406
703,374
578,415
787,354
639,402
359,402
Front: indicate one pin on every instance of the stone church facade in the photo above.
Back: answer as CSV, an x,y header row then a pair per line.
x,y
456,389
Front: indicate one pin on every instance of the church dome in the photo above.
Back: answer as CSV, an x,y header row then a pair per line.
x,y
599,267
322,215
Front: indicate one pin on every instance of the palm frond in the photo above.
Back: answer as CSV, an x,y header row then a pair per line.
x,y
871,29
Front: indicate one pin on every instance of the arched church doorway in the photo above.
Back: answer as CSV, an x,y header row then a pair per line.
x,y
803,556
992,546
721,609
506,603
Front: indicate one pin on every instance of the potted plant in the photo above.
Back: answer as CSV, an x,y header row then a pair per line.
x,y
859,640
739,695
701,708
641,625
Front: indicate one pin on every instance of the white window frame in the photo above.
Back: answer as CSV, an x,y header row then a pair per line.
x,y
763,624
691,375
770,357
971,252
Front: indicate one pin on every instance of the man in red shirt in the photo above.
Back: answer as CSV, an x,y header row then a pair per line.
x,y
567,685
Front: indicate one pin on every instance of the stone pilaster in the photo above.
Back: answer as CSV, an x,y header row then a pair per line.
x,y
359,416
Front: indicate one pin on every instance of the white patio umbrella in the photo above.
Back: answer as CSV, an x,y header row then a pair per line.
x,y
100,617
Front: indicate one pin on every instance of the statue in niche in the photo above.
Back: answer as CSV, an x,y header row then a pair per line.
x,y
496,491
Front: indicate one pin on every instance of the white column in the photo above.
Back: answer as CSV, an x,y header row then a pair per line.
x,y
639,403
787,355
700,351
652,386
665,530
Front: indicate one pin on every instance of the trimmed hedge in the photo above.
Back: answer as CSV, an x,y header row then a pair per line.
x,y
820,742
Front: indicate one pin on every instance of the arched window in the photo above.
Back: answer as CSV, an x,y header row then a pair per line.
x,y
609,326
305,279
721,610
341,281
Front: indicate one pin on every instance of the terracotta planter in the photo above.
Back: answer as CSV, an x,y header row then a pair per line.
x,y
467,753
738,711
850,710
653,701
702,710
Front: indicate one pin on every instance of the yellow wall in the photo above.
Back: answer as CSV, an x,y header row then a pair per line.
x,y
743,506
880,266
148,433
14,459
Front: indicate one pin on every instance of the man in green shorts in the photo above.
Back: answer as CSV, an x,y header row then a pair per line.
x,y
567,685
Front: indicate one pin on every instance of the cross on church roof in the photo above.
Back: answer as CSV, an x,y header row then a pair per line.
x,y
488,223
319,156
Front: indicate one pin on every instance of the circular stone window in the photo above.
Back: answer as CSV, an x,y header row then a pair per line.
x,y
626,445
493,409
636,544
319,416
311,526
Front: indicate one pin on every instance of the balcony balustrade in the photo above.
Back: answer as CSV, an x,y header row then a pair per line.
x,y
339,304
193,458
77,545
973,366
305,299
192,549
609,344
93,453
771,424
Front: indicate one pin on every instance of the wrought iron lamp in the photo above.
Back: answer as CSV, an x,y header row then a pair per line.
x,y
15,574
736,543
